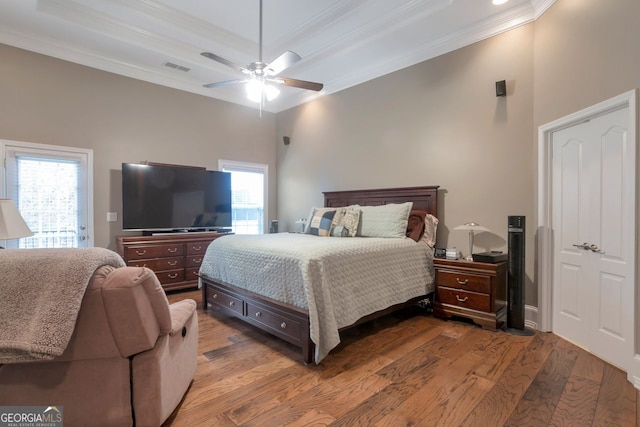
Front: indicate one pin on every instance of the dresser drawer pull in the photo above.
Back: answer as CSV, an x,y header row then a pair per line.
x,y
197,260
173,276
140,253
215,296
258,314
283,325
209,305
172,250
172,263
462,282
461,299
232,304
196,248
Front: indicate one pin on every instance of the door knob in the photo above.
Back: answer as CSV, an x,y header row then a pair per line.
x,y
589,247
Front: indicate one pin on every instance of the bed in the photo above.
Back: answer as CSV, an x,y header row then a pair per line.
x,y
305,289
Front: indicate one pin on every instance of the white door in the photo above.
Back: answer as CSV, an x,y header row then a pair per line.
x,y
51,186
593,199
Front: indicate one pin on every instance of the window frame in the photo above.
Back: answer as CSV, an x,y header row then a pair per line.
x,y
237,166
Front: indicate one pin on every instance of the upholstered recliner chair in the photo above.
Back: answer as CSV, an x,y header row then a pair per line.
x,y
130,359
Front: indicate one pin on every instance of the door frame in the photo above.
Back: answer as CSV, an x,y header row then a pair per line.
x,y
544,231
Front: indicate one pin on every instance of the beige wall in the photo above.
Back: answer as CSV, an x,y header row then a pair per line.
x,y
586,51
49,101
436,123
439,122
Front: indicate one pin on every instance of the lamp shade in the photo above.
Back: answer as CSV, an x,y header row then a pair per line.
x,y
471,226
12,226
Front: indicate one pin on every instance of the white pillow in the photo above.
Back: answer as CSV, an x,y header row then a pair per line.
x,y
384,220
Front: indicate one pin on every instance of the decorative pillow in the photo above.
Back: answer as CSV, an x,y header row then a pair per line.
x,y
349,220
307,229
415,226
322,221
339,231
430,230
385,220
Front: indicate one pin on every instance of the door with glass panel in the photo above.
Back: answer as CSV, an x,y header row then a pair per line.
x,y
51,187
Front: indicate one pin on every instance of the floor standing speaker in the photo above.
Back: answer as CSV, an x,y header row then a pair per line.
x,y
515,291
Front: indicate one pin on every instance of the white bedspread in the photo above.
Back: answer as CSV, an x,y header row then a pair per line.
x,y
337,280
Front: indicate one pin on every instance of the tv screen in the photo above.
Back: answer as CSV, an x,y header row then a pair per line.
x,y
158,197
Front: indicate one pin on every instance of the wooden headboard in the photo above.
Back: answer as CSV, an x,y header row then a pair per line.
x,y
423,198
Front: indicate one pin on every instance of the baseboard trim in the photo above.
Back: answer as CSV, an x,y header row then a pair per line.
x,y
531,317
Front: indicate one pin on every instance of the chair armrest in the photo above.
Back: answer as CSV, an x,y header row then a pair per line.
x,y
181,311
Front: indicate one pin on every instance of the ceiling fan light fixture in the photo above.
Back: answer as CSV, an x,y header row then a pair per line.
x,y
258,90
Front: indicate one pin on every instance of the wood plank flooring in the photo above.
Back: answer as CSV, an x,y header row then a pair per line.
x,y
407,369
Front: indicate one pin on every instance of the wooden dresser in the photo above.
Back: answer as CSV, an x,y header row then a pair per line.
x,y
175,258
474,290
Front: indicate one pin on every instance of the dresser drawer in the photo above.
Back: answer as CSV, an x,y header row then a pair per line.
x,y
462,280
159,264
170,276
155,251
221,299
464,299
196,248
191,273
274,321
194,260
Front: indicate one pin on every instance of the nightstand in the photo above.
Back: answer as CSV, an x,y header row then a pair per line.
x,y
474,290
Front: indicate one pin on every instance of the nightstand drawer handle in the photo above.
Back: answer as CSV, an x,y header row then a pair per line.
x,y
173,276
140,253
172,250
232,304
461,299
283,325
172,263
460,282
258,314
196,248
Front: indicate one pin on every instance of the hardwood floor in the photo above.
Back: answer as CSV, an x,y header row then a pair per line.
x,y
407,369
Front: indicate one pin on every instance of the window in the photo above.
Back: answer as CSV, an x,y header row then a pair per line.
x,y
50,185
248,195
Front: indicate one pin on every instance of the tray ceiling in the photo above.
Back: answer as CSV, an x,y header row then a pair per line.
x,y
342,42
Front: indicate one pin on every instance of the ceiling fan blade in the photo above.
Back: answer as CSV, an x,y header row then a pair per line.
x,y
225,62
282,62
302,84
225,83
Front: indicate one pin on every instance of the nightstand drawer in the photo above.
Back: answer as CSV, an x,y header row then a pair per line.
x,y
466,281
460,298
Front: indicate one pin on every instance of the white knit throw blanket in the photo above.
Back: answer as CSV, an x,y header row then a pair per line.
x,y
41,291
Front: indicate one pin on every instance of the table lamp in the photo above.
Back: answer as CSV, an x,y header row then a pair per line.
x,y
472,227
303,224
12,226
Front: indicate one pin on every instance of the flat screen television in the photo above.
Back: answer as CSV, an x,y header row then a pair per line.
x,y
174,198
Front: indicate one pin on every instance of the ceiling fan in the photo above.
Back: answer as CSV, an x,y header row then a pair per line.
x,y
262,78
